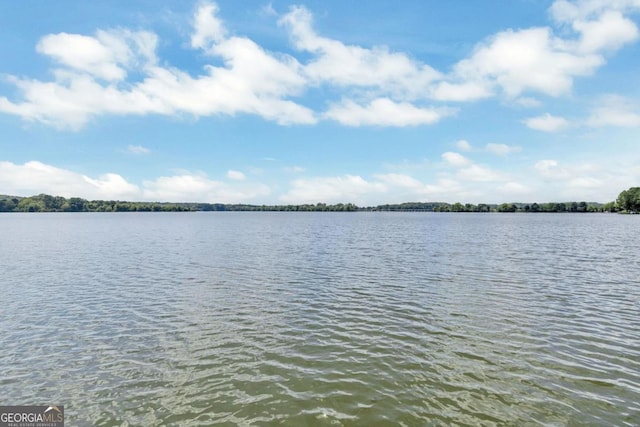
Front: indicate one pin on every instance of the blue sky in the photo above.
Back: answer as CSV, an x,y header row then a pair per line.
x,y
321,101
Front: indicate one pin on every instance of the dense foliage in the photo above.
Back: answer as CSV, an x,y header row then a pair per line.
x,y
47,203
628,200
504,207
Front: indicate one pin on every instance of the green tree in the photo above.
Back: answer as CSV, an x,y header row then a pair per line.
x,y
457,207
507,207
609,207
483,208
31,204
629,200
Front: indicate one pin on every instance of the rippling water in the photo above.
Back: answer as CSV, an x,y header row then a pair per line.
x,y
306,319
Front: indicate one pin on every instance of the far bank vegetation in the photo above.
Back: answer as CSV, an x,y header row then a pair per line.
x,y
627,202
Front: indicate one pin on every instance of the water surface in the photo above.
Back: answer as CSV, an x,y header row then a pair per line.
x,y
353,319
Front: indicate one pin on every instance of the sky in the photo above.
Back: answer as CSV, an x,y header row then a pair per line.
x,y
279,102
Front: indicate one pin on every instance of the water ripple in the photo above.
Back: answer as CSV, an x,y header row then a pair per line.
x,y
338,320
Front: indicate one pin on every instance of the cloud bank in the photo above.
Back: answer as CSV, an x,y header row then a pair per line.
x,y
118,72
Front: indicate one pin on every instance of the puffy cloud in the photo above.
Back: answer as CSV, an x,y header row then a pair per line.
x,y
384,112
200,188
347,65
116,72
535,59
547,123
236,175
501,149
562,181
464,145
614,110
610,31
455,159
529,59
550,169
403,188
461,91
106,56
574,174
568,11
479,173
348,188
208,28
73,99
35,177
553,181
469,171
252,80
381,188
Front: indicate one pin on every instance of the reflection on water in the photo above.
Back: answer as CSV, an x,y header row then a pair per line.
x,y
323,319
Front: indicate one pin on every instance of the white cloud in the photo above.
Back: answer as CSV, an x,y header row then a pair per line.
x,y
35,177
74,99
116,72
455,159
138,149
348,188
188,187
83,53
381,188
563,181
236,175
462,91
568,11
610,31
552,180
502,149
252,80
384,112
547,123
105,56
403,188
208,28
613,110
550,169
469,171
535,59
400,180
529,59
463,145
347,65
477,173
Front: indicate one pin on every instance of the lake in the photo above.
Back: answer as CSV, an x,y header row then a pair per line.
x,y
322,319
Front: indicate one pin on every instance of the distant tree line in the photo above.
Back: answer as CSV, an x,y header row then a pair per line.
x,y
47,203
628,201
530,207
504,207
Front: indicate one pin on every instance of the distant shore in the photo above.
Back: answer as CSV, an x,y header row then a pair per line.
x,y
47,203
